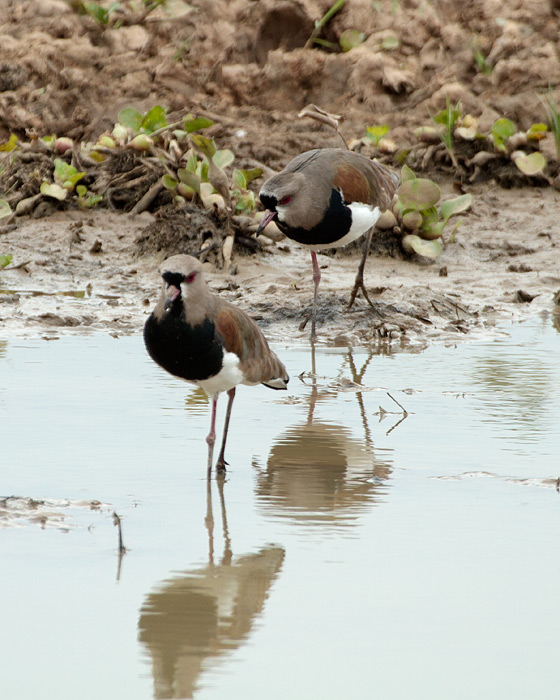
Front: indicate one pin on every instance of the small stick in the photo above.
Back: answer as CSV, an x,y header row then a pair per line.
x,y
403,409
147,199
117,522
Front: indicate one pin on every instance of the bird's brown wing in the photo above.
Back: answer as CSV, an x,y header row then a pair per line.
x,y
238,333
365,180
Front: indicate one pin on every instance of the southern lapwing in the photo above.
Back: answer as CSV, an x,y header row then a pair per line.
x,y
327,198
195,335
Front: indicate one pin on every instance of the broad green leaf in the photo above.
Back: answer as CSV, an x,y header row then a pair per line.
x,y
429,249
407,173
501,130
130,118
189,178
5,260
10,143
223,158
66,174
5,209
55,191
537,131
204,144
169,182
81,190
350,38
419,193
191,123
390,42
154,119
252,174
192,160
448,116
245,203
239,179
454,206
432,230
376,133
529,164
94,199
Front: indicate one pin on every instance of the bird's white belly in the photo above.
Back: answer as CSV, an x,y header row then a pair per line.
x,y
229,376
364,217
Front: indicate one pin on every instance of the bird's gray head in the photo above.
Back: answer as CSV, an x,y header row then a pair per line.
x,y
294,199
183,279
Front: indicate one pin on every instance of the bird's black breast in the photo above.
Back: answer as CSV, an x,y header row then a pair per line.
x,y
334,225
189,352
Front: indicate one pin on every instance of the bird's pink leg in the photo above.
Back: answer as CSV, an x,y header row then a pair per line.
x,y
221,463
211,437
316,280
359,281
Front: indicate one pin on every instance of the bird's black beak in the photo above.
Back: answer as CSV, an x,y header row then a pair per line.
x,y
171,293
267,218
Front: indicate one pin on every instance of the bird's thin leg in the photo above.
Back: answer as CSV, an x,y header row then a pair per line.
x,y
359,281
316,280
211,437
221,463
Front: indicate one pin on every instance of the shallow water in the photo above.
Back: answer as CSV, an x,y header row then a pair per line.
x,y
355,550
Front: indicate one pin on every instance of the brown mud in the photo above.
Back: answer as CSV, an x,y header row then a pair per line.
x,y
244,64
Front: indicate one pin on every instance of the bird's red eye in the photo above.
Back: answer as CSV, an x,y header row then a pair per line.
x,y
190,278
285,200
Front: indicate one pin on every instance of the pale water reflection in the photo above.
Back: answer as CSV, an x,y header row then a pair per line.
x,y
389,528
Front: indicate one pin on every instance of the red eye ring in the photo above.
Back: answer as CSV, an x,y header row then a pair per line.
x,y
190,278
285,200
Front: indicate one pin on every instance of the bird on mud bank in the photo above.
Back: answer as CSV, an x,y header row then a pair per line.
x,y
327,198
205,340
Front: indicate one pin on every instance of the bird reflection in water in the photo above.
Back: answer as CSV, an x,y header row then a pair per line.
x,y
317,470
197,617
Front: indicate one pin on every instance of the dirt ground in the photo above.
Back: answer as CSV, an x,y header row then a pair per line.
x,y
243,64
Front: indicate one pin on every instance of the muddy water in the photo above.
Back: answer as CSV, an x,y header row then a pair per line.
x,y
388,528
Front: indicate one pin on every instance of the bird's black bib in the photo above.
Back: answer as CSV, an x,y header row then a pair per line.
x,y
190,352
334,225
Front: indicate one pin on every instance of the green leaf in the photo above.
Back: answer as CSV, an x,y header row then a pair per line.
x,y
10,143
55,191
537,131
192,161
530,164
81,190
376,133
501,130
252,174
454,206
191,123
432,230
5,209
407,173
169,182
5,260
419,193
154,119
350,38
239,179
429,249
245,203
390,42
130,118
66,174
204,144
223,158
189,178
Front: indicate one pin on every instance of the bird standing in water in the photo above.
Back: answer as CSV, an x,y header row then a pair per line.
x,y
327,198
205,340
